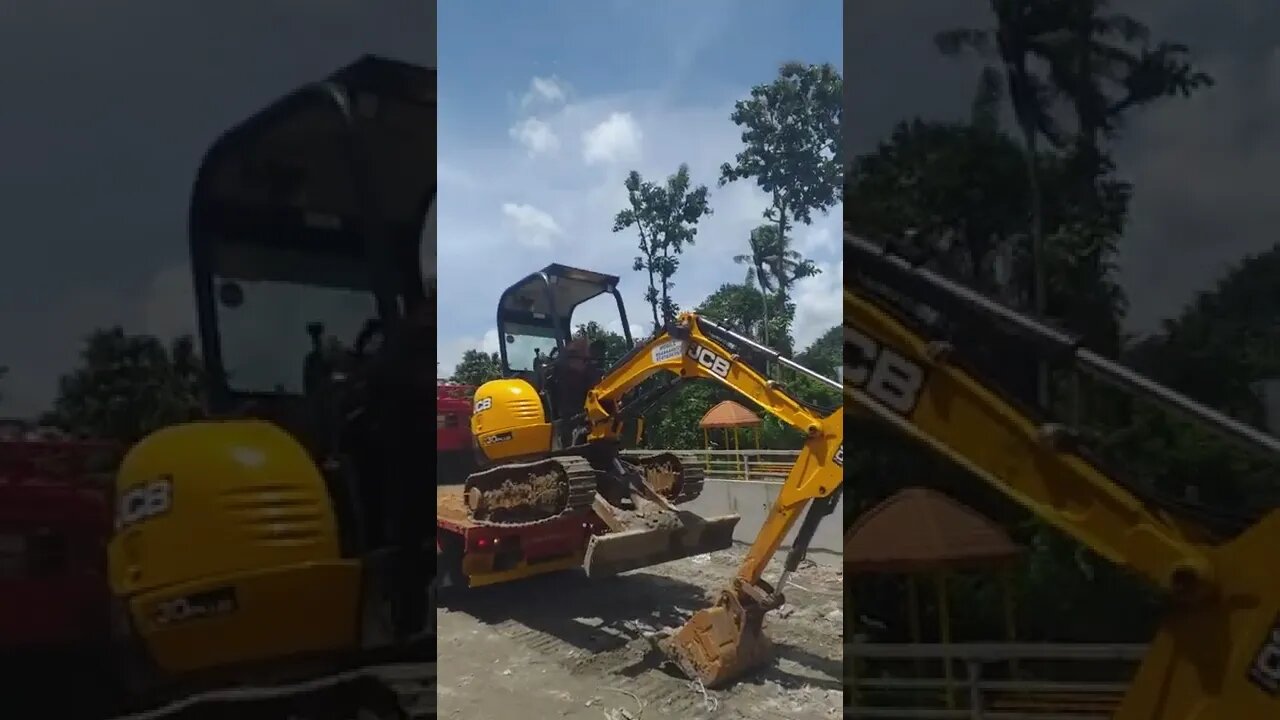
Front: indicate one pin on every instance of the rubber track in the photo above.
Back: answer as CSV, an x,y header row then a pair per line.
x,y
582,488
692,479
666,695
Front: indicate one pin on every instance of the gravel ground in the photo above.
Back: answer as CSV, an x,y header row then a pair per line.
x,y
561,646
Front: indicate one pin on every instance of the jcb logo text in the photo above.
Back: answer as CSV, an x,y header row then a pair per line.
x,y
885,375
144,502
706,358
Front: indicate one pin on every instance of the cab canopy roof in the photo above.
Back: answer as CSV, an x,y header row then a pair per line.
x,y
559,285
300,190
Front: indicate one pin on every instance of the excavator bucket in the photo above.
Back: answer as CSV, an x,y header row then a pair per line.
x,y
631,549
720,643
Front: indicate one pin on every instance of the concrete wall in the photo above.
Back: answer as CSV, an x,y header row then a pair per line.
x,y
752,501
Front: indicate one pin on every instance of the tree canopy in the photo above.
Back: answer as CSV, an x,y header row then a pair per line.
x,y
127,386
1037,219
477,367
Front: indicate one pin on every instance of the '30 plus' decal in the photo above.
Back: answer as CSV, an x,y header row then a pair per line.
x,y
882,372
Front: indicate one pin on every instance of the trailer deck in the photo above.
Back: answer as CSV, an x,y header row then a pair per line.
x,y
477,554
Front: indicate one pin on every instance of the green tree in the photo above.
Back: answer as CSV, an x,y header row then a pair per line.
x,y
476,368
666,218
775,267
825,354
791,134
1221,344
1083,49
740,308
127,386
958,194
612,345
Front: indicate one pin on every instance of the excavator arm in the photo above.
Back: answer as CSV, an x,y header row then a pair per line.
x,y
690,353
1217,653
722,642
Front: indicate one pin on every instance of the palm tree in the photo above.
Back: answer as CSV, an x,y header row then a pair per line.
x,y
775,265
1100,63
760,251
1021,32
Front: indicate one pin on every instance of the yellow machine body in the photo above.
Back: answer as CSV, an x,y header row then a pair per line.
x,y
226,549
508,420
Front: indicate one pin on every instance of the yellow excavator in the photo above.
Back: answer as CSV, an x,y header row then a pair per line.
x,y
1216,655
550,432
272,557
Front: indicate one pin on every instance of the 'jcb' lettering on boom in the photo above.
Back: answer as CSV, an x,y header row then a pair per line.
x,y
885,375
706,358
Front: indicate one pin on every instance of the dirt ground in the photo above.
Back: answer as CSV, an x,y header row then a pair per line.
x,y
561,646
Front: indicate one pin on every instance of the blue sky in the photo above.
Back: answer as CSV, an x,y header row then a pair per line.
x,y
544,108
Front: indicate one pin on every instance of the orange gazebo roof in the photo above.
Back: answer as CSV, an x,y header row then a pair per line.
x,y
920,530
728,414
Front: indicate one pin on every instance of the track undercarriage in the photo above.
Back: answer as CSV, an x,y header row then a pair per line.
x,y
526,493
636,499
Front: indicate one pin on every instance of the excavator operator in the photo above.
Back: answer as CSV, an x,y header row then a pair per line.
x,y
402,387
372,402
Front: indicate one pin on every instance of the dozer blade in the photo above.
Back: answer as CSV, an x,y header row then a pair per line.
x,y
619,552
720,643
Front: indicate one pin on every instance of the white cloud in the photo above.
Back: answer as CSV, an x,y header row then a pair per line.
x,y
1188,228
536,136
546,91
616,139
818,303
532,227
581,202
169,307
813,239
449,353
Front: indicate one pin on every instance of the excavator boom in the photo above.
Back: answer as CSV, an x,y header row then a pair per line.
x,y
1217,653
723,642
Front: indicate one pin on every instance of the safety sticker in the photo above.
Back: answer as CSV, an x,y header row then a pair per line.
x,y
669,350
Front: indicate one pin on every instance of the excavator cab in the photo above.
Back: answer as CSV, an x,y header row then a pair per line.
x,y
306,223
535,332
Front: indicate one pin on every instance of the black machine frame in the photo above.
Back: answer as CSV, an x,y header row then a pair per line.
x,y
560,319
369,237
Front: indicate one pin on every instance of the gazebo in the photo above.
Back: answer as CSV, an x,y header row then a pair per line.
x,y
725,416
920,532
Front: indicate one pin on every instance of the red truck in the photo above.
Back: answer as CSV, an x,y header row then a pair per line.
x,y
55,519
54,524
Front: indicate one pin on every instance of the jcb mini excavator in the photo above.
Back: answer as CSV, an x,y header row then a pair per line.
x,y
278,547
1216,656
550,434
